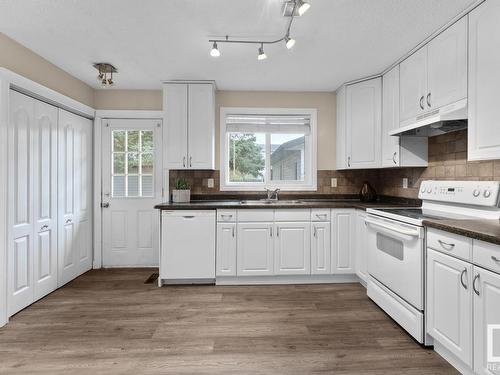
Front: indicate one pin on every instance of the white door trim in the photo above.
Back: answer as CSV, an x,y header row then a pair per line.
x,y
99,116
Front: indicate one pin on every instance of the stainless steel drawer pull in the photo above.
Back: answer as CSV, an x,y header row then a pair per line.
x,y
68,221
233,231
495,259
464,272
445,244
184,161
45,226
277,231
474,284
429,99
188,217
226,215
319,216
422,102
271,231
315,231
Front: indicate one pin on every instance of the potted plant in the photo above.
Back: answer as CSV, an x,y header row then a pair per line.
x,y
181,192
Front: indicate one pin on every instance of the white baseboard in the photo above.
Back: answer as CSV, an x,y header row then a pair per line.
x,y
284,279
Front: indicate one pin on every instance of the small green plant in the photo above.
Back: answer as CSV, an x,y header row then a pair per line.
x,y
181,184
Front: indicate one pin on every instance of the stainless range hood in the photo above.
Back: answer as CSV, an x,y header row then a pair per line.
x,y
446,119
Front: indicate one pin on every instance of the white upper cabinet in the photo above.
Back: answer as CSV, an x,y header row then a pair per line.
x,y
189,111
341,157
447,66
484,81
413,85
363,124
390,117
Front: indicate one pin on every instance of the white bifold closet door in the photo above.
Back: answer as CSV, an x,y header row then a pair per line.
x,y
75,204
32,242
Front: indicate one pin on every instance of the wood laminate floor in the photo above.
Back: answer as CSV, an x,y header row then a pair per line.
x,y
110,322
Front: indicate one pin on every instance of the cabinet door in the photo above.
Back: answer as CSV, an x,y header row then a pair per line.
x,y
449,303
320,248
363,123
361,247
45,199
342,241
255,249
413,85
390,117
447,66
201,126
20,281
486,321
484,78
341,135
292,249
175,107
226,249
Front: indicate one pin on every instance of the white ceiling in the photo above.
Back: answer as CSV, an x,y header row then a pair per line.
x,y
154,40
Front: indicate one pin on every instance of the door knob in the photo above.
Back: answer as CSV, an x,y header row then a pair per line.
x,y
105,205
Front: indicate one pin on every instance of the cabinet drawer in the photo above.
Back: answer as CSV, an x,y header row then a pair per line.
x,y
486,255
228,216
257,215
449,243
320,215
292,215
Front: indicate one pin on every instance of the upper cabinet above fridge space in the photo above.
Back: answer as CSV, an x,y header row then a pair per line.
x,y
189,115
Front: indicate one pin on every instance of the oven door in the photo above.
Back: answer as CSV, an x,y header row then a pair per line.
x,y
395,257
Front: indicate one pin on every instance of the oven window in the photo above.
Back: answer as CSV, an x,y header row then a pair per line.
x,y
391,246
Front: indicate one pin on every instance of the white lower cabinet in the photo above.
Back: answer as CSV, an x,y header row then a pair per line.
x,y
360,242
292,248
226,249
486,318
320,248
449,304
255,253
342,248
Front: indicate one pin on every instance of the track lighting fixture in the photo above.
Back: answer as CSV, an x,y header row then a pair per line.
x,y
291,8
262,55
105,76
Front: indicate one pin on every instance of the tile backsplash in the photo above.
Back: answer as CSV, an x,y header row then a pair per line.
x,y
447,160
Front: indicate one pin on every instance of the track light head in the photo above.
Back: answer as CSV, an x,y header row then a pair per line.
x,y
289,42
303,7
262,55
215,51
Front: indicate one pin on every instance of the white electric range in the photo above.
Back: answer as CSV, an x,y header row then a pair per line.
x,y
396,244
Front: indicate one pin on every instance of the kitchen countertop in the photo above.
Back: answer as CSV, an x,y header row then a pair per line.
x,y
483,230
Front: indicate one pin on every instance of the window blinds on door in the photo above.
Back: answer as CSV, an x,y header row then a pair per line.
x,y
289,124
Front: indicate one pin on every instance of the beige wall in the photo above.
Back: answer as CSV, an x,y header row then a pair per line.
x,y
21,60
128,99
324,102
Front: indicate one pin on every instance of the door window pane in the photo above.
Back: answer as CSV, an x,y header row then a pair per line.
x,y
247,152
132,163
287,157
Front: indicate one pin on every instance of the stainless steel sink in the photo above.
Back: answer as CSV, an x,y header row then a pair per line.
x,y
269,202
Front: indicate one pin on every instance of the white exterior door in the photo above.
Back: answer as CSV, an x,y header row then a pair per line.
x,y
292,249
226,249
131,186
20,257
45,199
413,84
320,248
342,241
255,249
74,196
449,303
390,117
363,124
486,314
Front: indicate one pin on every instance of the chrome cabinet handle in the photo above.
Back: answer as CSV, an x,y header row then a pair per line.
x,y
105,205
319,216
444,244
315,232
277,231
464,272
233,231
422,102
184,161
394,157
271,231
68,221
495,259
190,161
45,226
474,284
226,215
429,99
348,161
188,217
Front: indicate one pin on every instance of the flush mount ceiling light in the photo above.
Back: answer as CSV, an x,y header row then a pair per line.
x,y
291,8
105,76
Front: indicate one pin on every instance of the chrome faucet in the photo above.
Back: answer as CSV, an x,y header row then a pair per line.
x,y
272,193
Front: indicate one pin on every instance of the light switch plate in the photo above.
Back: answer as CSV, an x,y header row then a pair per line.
x,y
333,182
210,183
405,183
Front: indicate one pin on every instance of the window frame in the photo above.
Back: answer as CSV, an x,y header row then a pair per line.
x,y
310,178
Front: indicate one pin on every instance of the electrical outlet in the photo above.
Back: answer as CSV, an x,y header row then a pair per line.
x,y
333,182
405,183
210,183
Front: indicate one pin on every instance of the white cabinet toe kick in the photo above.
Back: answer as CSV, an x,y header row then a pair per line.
x,y
259,246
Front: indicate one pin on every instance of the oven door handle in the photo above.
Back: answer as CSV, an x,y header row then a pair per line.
x,y
393,230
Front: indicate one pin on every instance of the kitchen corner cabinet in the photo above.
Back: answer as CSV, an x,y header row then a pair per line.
x,y
484,80
435,75
189,113
342,247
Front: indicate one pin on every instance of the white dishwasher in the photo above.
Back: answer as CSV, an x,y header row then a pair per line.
x,y
187,254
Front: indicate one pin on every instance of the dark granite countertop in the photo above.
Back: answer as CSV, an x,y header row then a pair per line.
x,y
484,230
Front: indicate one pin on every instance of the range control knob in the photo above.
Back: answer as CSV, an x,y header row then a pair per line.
x,y
487,193
476,192
422,189
429,190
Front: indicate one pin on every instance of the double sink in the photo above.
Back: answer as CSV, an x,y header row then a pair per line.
x,y
271,202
